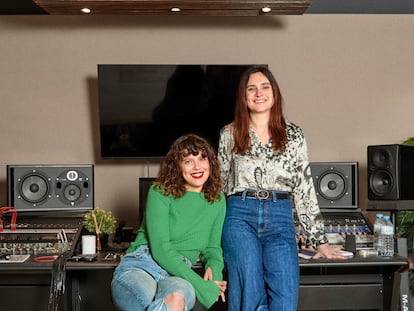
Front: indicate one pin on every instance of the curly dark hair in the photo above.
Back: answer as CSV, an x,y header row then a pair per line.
x,y
170,180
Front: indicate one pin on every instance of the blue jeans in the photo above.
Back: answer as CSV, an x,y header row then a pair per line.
x,y
260,254
139,283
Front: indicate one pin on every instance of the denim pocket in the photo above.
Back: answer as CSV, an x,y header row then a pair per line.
x,y
142,251
142,259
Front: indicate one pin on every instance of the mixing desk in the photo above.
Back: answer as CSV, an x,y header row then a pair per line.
x,y
40,235
340,224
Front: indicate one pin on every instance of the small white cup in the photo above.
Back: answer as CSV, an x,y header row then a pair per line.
x,y
88,244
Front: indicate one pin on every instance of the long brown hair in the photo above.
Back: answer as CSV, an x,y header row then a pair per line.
x,y
277,124
170,179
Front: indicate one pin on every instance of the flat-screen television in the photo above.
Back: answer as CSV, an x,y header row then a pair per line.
x,y
144,108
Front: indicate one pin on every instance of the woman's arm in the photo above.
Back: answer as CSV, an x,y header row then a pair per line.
x,y
213,254
306,202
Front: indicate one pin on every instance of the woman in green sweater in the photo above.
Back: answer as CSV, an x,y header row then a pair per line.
x,y
183,222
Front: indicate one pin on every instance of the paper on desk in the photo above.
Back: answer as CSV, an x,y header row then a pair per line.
x,y
15,258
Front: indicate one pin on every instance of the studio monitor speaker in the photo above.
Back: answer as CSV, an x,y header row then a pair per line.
x,y
390,172
50,187
336,184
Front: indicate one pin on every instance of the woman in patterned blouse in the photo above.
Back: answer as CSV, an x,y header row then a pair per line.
x,y
264,163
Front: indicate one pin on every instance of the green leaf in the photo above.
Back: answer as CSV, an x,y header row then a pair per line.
x,y
105,220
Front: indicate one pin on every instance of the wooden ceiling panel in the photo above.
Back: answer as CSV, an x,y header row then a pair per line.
x,y
182,7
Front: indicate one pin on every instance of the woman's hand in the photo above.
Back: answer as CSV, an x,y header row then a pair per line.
x,y
326,251
208,274
222,285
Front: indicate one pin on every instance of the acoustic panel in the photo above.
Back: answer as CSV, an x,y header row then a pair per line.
x,y
50,187
336,184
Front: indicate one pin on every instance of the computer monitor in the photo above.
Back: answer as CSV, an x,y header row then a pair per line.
x,y
144,185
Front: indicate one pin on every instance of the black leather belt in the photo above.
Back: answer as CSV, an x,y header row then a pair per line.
x,y
264,194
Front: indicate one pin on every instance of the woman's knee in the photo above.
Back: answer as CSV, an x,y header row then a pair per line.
x,y
175,301
133,290
178,287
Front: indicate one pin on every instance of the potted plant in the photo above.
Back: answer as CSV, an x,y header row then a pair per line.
x,y
405,226
100,222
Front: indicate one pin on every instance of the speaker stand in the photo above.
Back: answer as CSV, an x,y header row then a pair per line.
x,y
404,290
388,205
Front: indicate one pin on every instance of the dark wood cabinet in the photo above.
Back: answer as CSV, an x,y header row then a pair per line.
x,y
352,284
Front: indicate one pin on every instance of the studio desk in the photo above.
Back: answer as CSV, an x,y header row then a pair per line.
x,y
352,284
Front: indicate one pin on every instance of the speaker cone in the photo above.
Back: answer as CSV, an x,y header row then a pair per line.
x,y
381,182
34,188
381,158
336,184
332,186
72,193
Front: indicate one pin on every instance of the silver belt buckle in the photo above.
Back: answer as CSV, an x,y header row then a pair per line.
x,y
262,194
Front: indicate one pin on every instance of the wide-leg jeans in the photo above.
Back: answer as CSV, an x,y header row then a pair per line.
x,y
260,254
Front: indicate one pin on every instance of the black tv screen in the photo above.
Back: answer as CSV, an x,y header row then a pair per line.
x,y
143,108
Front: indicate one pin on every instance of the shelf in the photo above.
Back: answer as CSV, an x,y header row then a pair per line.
x,y
385,205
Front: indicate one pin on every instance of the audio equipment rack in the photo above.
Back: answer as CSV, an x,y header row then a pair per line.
x,y
40,234
336,187
339,225
48,203
343,224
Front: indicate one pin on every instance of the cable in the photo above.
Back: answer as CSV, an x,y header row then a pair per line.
x,y
48,258
57,286
6,210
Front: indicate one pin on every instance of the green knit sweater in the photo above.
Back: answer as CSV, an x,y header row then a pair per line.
x,y
187,226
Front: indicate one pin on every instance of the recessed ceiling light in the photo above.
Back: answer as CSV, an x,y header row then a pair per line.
x,y
86,10
175,9
266,9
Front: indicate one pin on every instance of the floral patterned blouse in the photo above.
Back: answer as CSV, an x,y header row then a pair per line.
x,y
262,168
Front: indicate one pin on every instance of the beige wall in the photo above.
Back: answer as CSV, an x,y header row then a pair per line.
x,y
347,80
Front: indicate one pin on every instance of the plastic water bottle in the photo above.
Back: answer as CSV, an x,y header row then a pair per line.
x,y
387,238
379,220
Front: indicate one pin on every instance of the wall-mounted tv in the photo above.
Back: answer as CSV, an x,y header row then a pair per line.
x,y
143,108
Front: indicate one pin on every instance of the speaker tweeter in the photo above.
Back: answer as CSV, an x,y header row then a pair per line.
x,y
336,184
50,187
